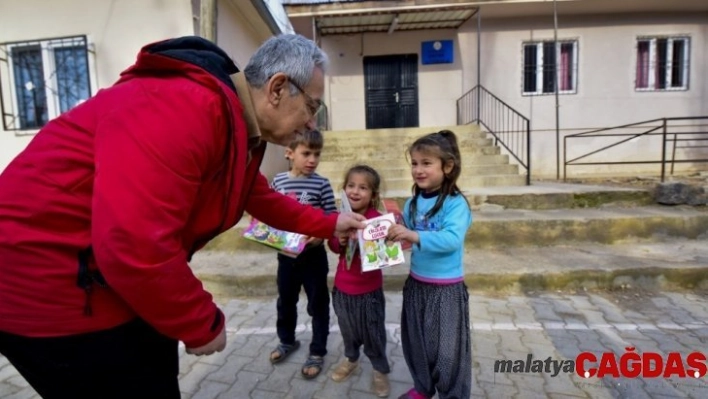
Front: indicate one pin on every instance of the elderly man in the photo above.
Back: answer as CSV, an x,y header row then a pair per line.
x,y
102,211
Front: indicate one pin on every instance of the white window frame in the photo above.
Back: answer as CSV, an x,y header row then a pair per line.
x,y
651,78
51,85
539,67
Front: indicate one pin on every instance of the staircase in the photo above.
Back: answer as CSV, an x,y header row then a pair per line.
x,y
385,150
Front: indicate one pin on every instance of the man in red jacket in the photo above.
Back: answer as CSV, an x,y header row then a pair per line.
x,y
102,211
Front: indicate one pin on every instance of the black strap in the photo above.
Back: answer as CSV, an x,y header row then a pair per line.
x,y
85,277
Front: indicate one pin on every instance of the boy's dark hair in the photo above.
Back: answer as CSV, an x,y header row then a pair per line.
x,y
374,180
311,139
442,144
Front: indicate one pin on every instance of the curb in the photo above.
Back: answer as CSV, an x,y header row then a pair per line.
x,y
651,278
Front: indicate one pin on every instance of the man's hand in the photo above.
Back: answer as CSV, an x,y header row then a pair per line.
x,y
348,223
216,345
399,232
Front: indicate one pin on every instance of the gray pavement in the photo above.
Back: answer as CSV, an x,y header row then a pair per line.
x,y
555,324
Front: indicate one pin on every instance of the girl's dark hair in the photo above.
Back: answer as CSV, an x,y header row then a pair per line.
x,y
442,144
374,180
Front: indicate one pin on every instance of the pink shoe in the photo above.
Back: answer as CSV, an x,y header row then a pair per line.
x,y
413,394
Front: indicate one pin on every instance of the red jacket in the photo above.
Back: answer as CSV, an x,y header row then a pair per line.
x,y
145,173
354,281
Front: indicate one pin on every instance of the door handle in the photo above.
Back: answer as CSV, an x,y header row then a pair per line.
x,y
396,95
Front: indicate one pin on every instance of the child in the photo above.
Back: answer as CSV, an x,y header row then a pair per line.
x,y
435,329
310,268
358,297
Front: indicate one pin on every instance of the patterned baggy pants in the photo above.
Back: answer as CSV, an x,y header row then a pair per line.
x,y
362,322
435,332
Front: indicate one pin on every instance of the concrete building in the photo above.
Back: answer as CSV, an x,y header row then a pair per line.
x,y
53,56
619,62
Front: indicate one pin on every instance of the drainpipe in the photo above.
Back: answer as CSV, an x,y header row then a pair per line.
x,y
266,15
207,19
557,50
479,64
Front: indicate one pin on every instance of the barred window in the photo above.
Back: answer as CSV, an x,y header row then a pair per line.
x,y
662,63
46,78
541,59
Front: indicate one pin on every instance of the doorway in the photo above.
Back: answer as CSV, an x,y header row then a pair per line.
x,y
391,84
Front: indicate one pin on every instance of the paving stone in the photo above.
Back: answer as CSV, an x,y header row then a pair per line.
x,y
229,370
190,381
330,389
399,370
610,310
279,379
244,383
261,394
7,389
548,325
25,393
534,337
303,389
499,390
210,390
220,358
255,345
511,341
562,384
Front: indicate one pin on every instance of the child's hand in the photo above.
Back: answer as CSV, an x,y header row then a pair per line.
x,y
398,232
343,241
313,241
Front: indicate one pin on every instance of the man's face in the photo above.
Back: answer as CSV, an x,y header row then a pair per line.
x,y
290,114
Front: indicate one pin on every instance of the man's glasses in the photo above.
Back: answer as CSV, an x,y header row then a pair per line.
x,y
314,107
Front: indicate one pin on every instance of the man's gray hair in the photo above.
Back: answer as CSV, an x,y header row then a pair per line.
x,y
291,54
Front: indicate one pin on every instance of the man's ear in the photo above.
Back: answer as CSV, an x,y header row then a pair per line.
x,y
276,87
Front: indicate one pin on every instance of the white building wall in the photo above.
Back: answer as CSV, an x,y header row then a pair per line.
x,y
605,95
240,32
116,31
439,85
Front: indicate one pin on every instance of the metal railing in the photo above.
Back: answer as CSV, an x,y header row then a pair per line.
x,y
683,135
510,129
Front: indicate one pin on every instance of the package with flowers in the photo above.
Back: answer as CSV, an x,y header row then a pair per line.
x,y
291,244
376,251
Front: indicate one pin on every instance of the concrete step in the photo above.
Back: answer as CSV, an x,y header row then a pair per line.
x,y
498,179
397,184
403,141
389,146
401,164
664,263
414,132
518,227
393,153
387,173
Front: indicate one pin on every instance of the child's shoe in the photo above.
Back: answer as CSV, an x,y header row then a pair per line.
x,y
412,394
381,385
344,369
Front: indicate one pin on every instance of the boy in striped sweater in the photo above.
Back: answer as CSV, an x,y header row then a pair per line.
x,y
310,268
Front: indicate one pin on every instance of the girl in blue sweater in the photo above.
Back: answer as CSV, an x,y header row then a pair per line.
x,y
435,327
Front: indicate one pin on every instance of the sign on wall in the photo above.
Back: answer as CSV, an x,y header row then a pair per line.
x,y
437,52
